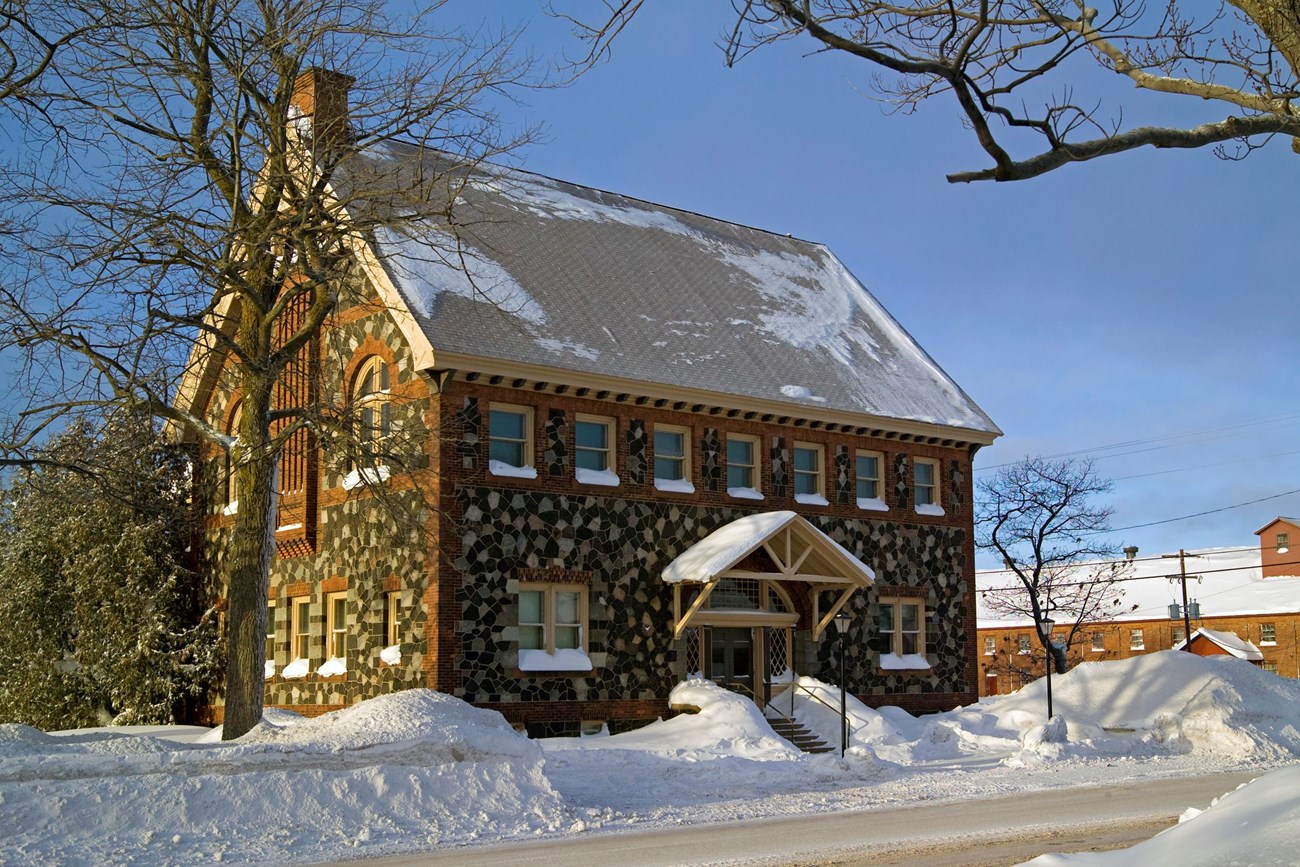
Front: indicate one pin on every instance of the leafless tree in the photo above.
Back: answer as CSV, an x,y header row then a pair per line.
x,y
1040,517
175,198
1024,73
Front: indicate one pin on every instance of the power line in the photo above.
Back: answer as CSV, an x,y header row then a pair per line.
x,y
1061,584
1198,514
1205,466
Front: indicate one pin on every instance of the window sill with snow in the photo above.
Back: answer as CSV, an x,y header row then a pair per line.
x,y
564,660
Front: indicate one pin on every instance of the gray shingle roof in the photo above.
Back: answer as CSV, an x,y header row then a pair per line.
x,y
570,277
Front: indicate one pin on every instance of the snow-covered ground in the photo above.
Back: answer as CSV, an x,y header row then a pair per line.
x,y
418,770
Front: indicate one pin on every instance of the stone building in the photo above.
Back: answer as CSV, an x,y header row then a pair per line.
x,y
641,444
1247,599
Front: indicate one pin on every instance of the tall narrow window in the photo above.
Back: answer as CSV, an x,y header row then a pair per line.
x,y
593,449
370,391
868,466
1282,543
230,498
808,475
742,466
925,486
673,459
990,645
1022,644
270,631
510,440
393,618
1136,641
1098,642
336,626
300,628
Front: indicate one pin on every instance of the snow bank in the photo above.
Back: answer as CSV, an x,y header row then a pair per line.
x,y
401,772
1258,821
1167,702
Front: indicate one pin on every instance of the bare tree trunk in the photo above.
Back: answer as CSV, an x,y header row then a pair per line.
x,y
248,566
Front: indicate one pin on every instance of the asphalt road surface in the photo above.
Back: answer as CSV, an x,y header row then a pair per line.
x,y
977,833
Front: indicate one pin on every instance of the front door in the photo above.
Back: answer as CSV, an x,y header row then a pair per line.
x,y
731,657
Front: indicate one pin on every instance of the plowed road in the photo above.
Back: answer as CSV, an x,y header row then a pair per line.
x,y
993,831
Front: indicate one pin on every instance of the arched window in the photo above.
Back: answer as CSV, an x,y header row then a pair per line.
x,y
228,462
373,403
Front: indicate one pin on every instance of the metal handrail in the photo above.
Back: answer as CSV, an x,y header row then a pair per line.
x,y
790,718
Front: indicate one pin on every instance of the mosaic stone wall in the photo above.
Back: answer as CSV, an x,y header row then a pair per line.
x,y
780,468
711,459
368,548
843,485
902,482
957,483
556,456
636,452
624,546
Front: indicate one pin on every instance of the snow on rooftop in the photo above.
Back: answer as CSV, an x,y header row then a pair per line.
x,y
1229,642
592,281
1225,581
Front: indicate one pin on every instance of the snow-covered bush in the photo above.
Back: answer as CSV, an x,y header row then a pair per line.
x,y
103,619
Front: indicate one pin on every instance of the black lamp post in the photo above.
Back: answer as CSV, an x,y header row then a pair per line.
x,y
842,627
1045,625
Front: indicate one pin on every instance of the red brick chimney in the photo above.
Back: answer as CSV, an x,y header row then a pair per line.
x,y
322,96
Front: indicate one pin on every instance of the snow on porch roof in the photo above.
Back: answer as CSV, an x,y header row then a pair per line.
x,y
728,545
1229,642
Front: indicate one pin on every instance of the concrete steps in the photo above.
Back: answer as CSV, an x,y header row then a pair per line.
x,y
800,736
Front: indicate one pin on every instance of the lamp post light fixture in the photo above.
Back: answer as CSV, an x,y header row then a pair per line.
x,y
842,621
1045,626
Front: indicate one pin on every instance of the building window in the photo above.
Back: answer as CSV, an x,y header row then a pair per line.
x,y
807,470
1267,633
393,618
510,437
1136,640
990,645
1022,643
925,483
1179,634
1269,666
336,625
673,459
552,617
901,623
300,628
270,631
231,493
742,464
1098,642
593,443
374,406
868,476
1282,546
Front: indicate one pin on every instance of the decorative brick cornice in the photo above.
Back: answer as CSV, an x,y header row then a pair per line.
x,y
553,576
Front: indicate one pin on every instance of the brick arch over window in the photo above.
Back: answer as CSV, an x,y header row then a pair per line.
x,y
370,393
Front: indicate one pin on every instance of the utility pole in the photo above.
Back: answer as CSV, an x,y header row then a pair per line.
x,y
1187,617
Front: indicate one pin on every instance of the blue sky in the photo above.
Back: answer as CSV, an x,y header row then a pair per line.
x,y
1146,297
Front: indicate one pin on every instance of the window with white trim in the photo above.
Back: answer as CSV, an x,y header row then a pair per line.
x,y
336,625
925,482
900,625
593,443
1179,634
1269,666
868,466
1022,645
270,630
300,628
1136,640
1282,543
553,627
393,618
370,391
672,464
510,438
1098,642
990,645
807,467
742,463
1267,633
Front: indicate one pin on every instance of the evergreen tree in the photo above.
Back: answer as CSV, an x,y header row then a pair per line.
x,y
104,619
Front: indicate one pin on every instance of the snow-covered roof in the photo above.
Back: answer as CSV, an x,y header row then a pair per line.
x,y
1229,642
1294,522
728,545
569,277
1225,581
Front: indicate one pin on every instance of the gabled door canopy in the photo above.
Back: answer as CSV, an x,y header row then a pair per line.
x,y
800,551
